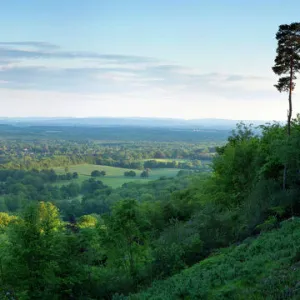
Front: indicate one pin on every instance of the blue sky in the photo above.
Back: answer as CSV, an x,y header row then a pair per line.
x,y
159,58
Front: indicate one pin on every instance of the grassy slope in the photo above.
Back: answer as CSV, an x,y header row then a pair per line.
x,y
264,268
114,176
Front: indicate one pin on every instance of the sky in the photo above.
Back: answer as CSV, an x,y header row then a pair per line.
x,y
161,58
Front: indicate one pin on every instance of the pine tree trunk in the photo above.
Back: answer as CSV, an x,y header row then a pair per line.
x,y
289,117
284,177
290,97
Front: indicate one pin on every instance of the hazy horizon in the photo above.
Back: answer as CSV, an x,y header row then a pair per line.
x,y
164,59
133,117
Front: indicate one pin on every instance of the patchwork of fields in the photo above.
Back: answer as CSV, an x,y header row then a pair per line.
x,y
114,176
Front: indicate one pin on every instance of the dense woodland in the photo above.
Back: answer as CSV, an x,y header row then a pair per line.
x,y
43,152
232,233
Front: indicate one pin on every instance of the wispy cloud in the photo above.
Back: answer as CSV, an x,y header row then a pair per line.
x,y
45,66
39,45
12,50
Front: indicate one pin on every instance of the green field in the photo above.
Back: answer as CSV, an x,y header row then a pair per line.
x,y
114,176
167,159
178,160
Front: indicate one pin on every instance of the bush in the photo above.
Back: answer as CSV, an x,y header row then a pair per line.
x,y
129,174
97,173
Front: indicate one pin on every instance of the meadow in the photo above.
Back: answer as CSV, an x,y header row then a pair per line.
x,y
114,176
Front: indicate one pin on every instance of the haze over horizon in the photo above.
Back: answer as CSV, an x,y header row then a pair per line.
x,y
166,59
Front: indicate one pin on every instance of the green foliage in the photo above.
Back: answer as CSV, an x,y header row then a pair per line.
x,y
97,173
126,243
130,173
87,221
26,264
287,59
178,246
5,220
262,269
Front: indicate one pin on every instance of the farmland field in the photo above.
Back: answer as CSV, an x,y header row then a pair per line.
x,y
166,160
114,176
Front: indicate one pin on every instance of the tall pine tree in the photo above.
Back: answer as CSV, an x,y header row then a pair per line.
x,y
287,64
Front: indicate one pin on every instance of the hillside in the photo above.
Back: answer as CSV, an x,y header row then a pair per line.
x,y
267,267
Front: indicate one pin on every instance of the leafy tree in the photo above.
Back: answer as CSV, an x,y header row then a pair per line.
x,y
233,179
145,174
123,237
87,221
177,245
97,173
29,267
5,220
129,174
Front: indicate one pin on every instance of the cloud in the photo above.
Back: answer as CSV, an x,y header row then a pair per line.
x,y
10,50
40,45
243,77
44,66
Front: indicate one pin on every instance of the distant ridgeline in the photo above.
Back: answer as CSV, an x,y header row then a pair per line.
x,y
112,133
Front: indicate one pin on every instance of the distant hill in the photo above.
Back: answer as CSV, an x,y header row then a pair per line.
x,y
139,122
